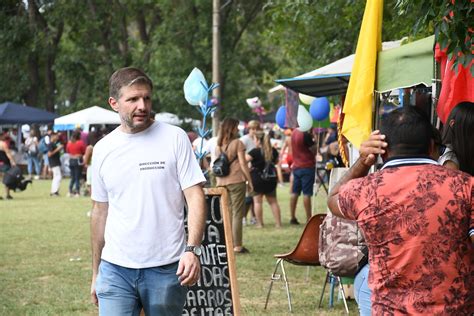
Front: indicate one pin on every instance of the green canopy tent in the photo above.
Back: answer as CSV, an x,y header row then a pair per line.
x,y
406,66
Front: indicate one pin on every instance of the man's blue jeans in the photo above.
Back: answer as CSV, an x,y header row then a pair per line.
x,y
362,291
124,291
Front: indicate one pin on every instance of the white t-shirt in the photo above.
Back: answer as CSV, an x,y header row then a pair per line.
x,y
142,176
197,144
448,155
210,148
248,142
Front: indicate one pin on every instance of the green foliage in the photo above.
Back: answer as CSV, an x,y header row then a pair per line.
x,y
453,22
59,54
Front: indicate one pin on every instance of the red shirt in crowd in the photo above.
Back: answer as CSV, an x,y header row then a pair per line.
x,y
415,220
303,157
76,148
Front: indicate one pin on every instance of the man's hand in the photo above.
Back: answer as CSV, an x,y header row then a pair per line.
x,y
94,299
189,269
372,147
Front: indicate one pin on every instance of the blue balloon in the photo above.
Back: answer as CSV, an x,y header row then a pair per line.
x,y
280,117
319,109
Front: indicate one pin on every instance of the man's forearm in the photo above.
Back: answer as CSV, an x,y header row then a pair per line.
x,y
196,214
98,220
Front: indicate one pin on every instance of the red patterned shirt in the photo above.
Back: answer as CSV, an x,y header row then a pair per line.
x,y
415,217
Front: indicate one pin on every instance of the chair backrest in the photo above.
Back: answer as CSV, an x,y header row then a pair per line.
x,y
306,251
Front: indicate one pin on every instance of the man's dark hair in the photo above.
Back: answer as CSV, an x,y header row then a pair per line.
x,y
125,77
408,131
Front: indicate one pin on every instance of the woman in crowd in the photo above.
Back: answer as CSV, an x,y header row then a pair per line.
x,y
457,135
32,153
76,149
92,139
6,162
263,158
229,143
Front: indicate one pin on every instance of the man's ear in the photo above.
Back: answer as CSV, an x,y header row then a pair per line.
x,y
113,104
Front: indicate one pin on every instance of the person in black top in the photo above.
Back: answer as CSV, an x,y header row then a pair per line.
x,y
264,177
54,154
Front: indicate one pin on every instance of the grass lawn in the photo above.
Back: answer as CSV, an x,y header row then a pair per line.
x,y
45,261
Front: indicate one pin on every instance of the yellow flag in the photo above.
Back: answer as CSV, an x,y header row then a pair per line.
x,y
358,104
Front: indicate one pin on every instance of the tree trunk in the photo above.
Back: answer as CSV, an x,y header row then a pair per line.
x,y
31,95
50,83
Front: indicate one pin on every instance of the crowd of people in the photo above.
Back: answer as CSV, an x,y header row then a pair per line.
x,y
415,212
262,157
49,156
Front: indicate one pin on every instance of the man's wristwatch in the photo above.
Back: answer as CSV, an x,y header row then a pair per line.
x,y
196,250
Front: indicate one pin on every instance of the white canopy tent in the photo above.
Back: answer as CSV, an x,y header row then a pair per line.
x,y
85,118
169,118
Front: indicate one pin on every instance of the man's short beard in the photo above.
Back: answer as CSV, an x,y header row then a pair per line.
x,y
134,126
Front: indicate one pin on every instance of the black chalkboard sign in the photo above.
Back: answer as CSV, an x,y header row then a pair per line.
x,y
216,293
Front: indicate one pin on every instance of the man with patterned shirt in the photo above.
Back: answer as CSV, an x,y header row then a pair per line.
x,y
415,216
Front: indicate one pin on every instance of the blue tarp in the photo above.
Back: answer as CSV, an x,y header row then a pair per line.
x,y
14,113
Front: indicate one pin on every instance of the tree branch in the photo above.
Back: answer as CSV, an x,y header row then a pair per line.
x,y
253,14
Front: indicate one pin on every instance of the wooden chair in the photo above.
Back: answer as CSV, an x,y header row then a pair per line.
x,y
304,254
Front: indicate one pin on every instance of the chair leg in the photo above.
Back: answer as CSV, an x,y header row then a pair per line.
x,y
341,289
324,288
307,274
287,285
274,277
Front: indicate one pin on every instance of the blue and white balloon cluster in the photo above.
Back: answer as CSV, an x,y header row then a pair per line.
x,y
196,92
318,111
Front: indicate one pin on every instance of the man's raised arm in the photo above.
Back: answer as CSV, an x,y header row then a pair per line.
x,y
368,156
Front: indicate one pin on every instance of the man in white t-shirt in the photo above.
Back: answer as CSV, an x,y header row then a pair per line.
x,y
143,174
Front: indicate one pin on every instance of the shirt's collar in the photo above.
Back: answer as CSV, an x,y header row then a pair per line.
x,y
408,161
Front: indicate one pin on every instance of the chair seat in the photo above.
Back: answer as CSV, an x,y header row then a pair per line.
x,y
289,257
303,263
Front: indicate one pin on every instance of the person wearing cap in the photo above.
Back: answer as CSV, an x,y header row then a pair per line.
x,y
143,173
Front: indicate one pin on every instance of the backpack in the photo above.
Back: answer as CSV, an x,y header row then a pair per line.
x,y
42,146
14,179
269,172
221,166
342,248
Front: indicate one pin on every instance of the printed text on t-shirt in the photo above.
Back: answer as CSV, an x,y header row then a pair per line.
x,y
151,165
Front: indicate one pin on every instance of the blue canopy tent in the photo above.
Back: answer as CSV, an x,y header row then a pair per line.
x,y
14,113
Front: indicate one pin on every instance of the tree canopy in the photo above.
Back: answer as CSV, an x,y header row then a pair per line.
x,y
59,54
